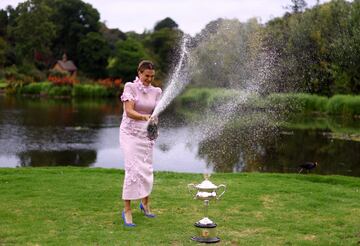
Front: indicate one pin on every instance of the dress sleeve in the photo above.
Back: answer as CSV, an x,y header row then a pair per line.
x,y
158,95
128,93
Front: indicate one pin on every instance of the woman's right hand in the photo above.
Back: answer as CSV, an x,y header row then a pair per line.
x,y
146,117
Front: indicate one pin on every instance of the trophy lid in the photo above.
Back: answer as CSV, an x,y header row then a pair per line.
x,y
206,184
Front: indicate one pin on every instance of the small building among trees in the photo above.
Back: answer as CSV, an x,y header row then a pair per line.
x,y
65,66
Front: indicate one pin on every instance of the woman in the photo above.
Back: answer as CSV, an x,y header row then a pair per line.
x,y
139,98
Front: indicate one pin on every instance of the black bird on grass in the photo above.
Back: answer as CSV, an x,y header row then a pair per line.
x,y
307,166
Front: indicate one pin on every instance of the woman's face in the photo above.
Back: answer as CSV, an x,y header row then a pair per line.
x,y
147,76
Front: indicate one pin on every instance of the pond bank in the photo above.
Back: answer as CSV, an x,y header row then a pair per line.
x,y
201,97
340,105
81,206
86,134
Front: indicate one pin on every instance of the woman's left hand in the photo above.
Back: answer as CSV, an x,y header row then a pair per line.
x,y
154,119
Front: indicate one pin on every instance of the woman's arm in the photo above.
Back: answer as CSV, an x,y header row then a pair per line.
x,y
131,113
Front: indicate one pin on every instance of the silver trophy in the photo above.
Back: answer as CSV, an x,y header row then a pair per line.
x,y
206,191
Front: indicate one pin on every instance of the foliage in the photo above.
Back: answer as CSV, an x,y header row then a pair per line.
x,y
60,91
62,80
26,73
3,47
297,6
3,23
317,50
93,52
73,19
205,97
36,88
3,84
164,44
346,53
32,31
313,50
228,56
110,83
166,23
298,102
57,73
342,105
46,89
88,90
111,35
31,71
65,89
126,59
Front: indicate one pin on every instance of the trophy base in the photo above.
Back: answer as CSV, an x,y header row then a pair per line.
x,y
206,240
205,231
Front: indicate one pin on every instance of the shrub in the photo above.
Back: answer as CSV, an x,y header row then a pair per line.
x,y
36,88
110,83
346,105
62,80
284,102
89,90
3,84
298,102
196,97
60,91
25,74
12,74
311,103
57,73
31,73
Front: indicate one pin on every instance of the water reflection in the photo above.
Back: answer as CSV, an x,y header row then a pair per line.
x,y
44,132
38,158
335,156
282,153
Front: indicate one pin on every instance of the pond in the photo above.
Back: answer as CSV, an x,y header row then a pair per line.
x,y
43,132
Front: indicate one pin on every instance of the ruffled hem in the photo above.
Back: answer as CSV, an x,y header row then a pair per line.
x,y
127,97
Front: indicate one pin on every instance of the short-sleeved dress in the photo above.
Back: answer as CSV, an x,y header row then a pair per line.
x,y
136,146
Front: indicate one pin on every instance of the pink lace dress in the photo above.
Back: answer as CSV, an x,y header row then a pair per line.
x,y
136,146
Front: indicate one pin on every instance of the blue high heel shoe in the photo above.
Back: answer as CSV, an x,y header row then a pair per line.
x,y
146,214
125,223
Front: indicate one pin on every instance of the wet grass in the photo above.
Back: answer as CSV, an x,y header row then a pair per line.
x,y
81,206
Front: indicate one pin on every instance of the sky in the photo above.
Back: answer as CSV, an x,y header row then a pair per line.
x,y
191,15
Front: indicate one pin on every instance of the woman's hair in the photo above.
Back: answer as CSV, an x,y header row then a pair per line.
x,y
145,64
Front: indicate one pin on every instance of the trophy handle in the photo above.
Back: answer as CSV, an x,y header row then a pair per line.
x,y
190,188
223,186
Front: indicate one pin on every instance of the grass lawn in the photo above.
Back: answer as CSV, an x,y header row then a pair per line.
x,y
82,206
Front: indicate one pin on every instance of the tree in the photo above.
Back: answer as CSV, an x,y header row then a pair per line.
x,y
163,44
297,6
73,20
112,35
93,53
346,53
32,30
228,56
3,22
310,47
3,47
128,54
166,23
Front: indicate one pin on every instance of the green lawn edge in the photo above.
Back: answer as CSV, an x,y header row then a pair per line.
x,y
82,206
